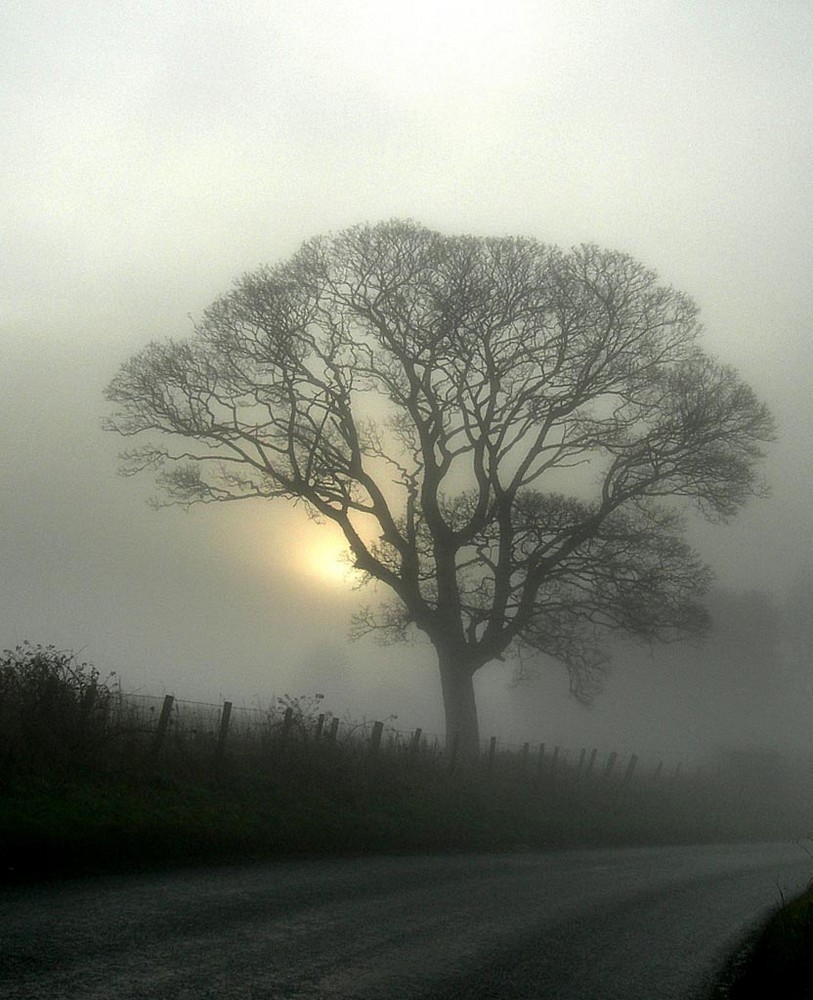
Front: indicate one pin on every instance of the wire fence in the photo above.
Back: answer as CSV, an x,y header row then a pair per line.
x,y
294,751
169,727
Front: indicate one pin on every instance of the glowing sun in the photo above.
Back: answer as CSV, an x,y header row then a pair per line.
x,y
326,559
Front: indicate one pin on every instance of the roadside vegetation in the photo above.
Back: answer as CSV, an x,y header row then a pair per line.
x,y
777,961
89,781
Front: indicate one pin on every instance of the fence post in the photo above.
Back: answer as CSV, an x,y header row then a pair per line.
x,y
591,762
375,736
630,770
163,725
320,723
658,771
526,749
415,742
334,729
492,748
222,732
287,720
608,767
540,759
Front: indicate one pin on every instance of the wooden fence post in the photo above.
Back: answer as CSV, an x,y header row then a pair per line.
x,y
540,759
163,725
415,742
320,723
608,767
591,762
287,721
633,761
333,731
222,732
375,736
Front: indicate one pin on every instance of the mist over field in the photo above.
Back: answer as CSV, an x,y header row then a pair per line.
x,y
152,155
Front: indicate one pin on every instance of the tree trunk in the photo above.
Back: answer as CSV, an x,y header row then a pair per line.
x,y
457,684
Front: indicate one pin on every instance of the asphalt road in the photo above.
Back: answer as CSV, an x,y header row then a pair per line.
x,y
632,924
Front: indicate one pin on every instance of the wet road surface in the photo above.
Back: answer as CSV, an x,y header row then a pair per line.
x,y
629,924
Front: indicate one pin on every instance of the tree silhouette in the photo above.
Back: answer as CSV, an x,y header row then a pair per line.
x,y
500,428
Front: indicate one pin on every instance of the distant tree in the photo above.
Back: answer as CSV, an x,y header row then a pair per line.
x,y
733,681
745,654
498,427
745,633
797,620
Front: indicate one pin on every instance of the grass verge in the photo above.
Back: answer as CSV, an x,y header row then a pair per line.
x,y
778,961
309,799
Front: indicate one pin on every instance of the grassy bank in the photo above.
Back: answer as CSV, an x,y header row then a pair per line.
x,y
307,798
778,961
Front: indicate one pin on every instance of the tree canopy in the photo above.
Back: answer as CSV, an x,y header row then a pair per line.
x,y
507,433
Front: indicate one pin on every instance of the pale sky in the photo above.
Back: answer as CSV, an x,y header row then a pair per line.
x,y
153,151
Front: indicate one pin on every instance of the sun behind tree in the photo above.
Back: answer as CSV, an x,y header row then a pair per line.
x,y
326,561
436,394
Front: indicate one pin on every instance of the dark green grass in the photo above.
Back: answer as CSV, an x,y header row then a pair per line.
x,y
778,960
308,797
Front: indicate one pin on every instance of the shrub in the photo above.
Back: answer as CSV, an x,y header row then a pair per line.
x,y
54,712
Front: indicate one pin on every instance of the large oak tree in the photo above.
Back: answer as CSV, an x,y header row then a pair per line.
x,y
506,434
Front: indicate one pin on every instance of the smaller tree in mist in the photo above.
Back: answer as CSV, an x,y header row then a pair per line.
x,y
498,427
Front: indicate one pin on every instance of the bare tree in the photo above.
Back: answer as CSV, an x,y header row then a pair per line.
x,y
503,431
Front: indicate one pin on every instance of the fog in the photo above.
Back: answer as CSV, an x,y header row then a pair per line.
x,y
151,153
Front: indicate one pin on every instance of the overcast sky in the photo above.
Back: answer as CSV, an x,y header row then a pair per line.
x,y
151,152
